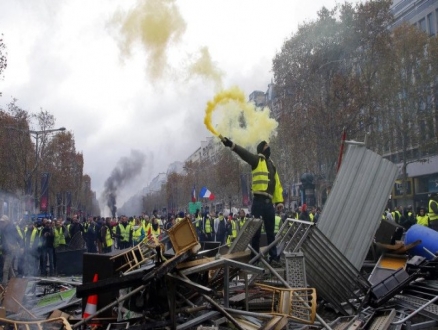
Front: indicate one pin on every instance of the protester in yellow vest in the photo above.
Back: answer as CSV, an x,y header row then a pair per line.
x,y
155,230
60,232
241,219
208,227
138,233
422,217
32,244
231,230
106,234
433,211
124,234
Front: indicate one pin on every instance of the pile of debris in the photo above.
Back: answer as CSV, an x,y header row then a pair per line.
x,y
350,271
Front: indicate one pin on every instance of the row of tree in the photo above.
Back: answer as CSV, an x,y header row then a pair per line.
x,y
351,69
28,154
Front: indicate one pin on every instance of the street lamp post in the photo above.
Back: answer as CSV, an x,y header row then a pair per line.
x,y
36,135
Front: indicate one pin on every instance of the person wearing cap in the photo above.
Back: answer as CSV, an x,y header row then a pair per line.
x,y
180,216
433,211
266,188
304,215
10,247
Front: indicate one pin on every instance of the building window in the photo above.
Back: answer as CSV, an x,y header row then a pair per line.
x,y
431,24
422,25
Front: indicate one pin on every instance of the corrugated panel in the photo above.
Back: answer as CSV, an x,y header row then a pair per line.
x,y
354,208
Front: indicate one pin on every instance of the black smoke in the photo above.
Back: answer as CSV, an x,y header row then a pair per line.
x,y
127,168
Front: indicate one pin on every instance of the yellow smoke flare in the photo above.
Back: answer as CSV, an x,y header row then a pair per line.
x,y
238,119
221,98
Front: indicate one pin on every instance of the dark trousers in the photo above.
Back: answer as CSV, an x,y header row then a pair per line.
x,y
124,245
262,207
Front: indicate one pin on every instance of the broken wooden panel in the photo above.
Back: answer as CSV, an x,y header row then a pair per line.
x,y
298,304
135,257
13,296
183,236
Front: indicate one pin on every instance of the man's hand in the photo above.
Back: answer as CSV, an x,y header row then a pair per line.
x,y
227,142
280,207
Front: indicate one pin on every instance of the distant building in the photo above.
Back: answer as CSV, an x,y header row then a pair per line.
x,y
422,174
421,13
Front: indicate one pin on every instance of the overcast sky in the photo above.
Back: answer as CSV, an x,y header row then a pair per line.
x,y
121,78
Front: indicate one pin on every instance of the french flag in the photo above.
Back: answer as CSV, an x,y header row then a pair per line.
x,y
205,193
193,195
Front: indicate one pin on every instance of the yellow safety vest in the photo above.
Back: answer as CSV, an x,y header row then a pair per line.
x,y
34,233
242,222
277,224
59,237
233,233
260,177
157,232
208,228
124,231
432,215
423,220
19,231
260,181
147,226
108,237
136,234
233,228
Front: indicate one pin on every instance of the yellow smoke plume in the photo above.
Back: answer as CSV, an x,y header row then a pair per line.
x,y
239,120
205,68
155,24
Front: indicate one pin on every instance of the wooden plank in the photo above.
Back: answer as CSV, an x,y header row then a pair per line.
x,y
238,256
14,294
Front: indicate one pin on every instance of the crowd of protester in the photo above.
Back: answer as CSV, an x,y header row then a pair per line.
x,y
27,248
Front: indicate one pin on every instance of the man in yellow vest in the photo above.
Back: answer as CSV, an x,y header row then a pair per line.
x,y
266,188
124,234
60,234
422,217
241,219
138,233
32,236
231,230
433,211
106,236
208,227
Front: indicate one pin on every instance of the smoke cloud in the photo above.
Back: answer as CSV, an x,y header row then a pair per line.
x,y
153,24
126,170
